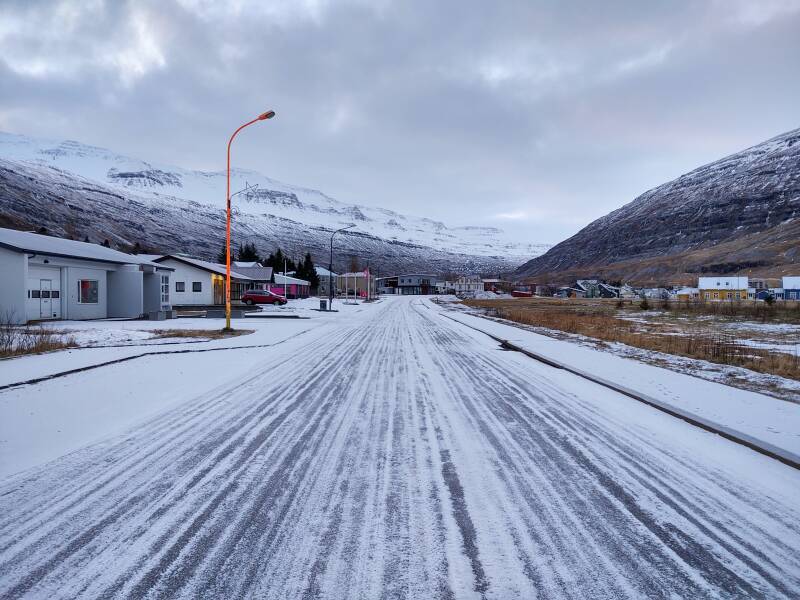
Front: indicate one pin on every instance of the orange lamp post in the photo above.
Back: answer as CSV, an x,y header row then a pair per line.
x,y
262,117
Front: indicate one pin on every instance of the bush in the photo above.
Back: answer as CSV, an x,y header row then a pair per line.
x,y
644,304
17,340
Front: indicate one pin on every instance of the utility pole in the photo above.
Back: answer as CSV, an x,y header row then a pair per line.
x,y
330,268
262,117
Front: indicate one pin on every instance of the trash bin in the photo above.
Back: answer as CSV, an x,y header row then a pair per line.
x,y
323,305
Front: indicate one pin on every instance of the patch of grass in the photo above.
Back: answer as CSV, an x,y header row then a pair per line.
x,y
212,334
600,320
19,340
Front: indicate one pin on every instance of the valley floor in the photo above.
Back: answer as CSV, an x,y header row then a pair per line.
x,y
384,451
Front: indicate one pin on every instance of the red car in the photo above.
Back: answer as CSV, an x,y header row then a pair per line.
x,y
251,297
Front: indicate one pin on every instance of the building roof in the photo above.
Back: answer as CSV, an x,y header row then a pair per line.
x,y
202,264
35,243
281,279
256,272
323,272
687,291
723,283
239,263
791,283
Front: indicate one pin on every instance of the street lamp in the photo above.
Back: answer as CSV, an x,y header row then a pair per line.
x,y
262,117
330,267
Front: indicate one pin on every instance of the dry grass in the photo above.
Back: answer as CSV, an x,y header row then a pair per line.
x,y
212,334
30,339
600,320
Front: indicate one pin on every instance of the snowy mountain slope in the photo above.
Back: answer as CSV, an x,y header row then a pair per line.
x,y
740,212
274,208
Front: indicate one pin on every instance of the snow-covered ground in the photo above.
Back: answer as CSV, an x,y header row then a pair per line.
x,y
769,422
382,451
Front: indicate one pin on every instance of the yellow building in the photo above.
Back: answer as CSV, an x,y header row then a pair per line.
x,y
716,289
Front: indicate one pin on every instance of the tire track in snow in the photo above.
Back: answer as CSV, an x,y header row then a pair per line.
x,y
410,459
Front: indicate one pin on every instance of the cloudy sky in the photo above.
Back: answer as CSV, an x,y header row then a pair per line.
x,y
536,117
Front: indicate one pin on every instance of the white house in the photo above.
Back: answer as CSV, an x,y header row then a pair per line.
x,y
198,282
52,278
326,277
791,288
468,285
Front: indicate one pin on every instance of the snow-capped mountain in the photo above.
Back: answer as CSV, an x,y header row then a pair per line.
x,y
190,204
738,214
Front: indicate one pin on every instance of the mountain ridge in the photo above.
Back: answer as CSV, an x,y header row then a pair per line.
x,y
41,166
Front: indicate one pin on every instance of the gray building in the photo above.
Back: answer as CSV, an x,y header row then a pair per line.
x,y
415,283
52,278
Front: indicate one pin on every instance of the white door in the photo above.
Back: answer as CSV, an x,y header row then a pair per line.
x,y
45,302
44,293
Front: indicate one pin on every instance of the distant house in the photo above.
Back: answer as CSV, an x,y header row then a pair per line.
x,y
52,278
571,292
791,288
723,288
198,282
607,291
492,284
687,294
467,285
325,279
590,286
291,287
409,284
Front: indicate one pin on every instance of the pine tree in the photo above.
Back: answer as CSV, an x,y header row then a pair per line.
x,y
309,272
248,253
106,244
222,257
86,239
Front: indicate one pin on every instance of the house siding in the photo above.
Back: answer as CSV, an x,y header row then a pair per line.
x,y
14,275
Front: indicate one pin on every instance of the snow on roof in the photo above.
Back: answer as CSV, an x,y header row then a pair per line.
x,y
687,291
323,272
35,243
723,283
240,263
202,264
791,283
281,279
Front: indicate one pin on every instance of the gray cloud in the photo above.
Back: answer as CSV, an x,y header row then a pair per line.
x,y
536,117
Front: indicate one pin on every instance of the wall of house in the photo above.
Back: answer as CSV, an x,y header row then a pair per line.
x,y
14,278
719,294
152,301
125,291
70,307
189,274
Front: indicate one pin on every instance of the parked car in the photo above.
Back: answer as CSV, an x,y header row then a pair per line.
x,y
251,297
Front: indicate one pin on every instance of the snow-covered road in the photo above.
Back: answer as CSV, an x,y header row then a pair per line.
x,y
401,454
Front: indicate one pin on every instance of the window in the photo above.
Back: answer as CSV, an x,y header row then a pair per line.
x,y
180,286
88,291
35,294
45,293
197,286
55,294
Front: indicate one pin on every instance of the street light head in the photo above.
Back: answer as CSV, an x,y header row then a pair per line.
x,y
267,115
